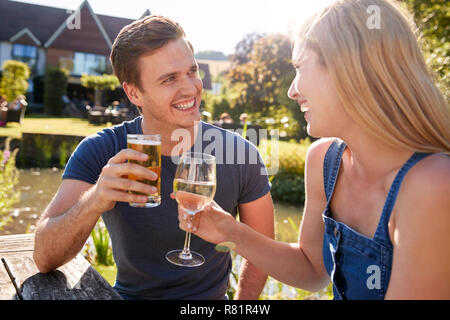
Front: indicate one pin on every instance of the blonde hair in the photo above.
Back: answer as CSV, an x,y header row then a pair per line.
x,y
379,72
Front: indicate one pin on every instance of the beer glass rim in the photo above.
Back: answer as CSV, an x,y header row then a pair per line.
x,y
144,136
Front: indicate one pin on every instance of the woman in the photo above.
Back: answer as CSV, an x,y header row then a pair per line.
x,y
377,213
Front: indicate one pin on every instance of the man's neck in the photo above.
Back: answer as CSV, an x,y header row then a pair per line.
x,y
174,140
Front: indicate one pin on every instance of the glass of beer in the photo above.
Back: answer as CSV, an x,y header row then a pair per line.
x,y
149,144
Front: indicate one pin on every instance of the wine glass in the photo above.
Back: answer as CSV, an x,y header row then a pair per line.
x,y
194,186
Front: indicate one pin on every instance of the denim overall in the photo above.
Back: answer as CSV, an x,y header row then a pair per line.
x,y
359,267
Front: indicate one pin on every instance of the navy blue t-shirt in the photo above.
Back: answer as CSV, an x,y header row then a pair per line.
x,y
141,237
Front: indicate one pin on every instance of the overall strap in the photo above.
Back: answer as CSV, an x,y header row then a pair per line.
x,y
331,164
382,233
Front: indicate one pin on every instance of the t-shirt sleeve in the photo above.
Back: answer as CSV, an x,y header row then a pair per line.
x,y
255,181
89,158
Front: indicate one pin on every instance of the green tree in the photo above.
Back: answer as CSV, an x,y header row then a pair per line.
x,y
244,48
433,20
14,81
259,79
99,84
55,86
262,77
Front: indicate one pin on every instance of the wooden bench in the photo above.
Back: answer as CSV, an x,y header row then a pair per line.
x,y
21,280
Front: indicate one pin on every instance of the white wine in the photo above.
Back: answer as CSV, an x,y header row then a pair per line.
x,y
193,196
194,186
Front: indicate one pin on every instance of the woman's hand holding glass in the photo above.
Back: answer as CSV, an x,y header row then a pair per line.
x,y
212,224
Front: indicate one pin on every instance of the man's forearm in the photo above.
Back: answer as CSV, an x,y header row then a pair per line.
x,y
251,282
60,238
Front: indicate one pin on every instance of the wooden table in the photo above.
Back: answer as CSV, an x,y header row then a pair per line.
x,y
20,278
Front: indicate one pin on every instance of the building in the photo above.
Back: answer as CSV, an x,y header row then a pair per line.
x,y
79,41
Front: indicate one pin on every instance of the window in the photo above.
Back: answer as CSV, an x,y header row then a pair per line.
x,y
24,53
89,63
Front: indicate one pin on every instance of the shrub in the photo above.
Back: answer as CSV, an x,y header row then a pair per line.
x,y
9,177
38,91
288,183
46,150
14,81
55,85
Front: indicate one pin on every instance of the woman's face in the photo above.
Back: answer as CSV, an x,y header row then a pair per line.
x,y
315,92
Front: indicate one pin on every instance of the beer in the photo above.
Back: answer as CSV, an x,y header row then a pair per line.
x,y
150,145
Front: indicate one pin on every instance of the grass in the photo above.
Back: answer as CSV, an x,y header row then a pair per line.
x,y
107,272
50,125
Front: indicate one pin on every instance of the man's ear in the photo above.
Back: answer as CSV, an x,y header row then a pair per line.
x,y
133,93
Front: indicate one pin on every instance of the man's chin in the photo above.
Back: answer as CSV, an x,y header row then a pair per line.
x,y
188,124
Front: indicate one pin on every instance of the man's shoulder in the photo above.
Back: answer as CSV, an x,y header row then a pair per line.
x,y
208,126
115,135
227,134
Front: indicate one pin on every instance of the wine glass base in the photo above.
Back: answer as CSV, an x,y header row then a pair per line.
x,y
176,257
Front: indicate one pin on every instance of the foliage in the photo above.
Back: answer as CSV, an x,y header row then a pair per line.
x,y
218,104
14,81
432,17
288,182
46,150
55,86
101,241
260,75
99,84
104,82
9,178
244,48
258,80
38,88
210,55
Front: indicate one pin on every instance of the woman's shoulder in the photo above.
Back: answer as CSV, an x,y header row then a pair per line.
x,y
314,166
425,189
317,150
431,173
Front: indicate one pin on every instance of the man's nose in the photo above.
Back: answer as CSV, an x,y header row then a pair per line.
x,y
191,85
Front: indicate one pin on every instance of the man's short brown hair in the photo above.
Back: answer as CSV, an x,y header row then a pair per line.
x,y
138,38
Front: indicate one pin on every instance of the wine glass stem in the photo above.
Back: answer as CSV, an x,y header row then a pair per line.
x,y
186,253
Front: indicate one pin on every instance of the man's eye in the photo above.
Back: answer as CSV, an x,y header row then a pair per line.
x,y
169,80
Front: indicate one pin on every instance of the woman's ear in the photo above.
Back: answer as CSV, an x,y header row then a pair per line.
x,y
133,93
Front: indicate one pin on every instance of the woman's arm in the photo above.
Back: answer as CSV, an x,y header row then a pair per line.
x,y
421,259
296,264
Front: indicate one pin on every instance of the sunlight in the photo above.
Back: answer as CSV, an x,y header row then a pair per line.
x,y
286,16
210,25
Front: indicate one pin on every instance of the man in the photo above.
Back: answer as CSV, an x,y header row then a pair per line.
x,y
159,74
